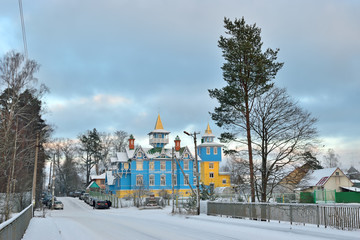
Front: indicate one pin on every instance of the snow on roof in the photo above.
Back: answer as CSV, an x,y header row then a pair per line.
x,y
317,177
110,178
101,176
355,180
210,144
122,156
352,189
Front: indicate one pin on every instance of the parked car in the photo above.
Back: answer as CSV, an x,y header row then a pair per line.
x,y
92,201
101,204
47,200
77,193
58,205
85,197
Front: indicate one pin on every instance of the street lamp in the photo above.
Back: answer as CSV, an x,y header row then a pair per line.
x,y
196,171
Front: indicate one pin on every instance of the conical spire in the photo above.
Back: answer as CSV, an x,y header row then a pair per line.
x,y
158,124
208,129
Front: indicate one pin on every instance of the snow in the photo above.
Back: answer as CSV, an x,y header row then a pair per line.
x,y
80,221
122,157
94,177
313,178
352,189
110,178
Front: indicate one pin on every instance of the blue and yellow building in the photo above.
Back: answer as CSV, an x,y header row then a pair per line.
x,y
152,169
210,153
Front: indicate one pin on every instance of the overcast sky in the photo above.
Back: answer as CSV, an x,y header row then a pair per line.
x,y
116,64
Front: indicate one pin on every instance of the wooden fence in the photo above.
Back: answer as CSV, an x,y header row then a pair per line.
x,y
338,216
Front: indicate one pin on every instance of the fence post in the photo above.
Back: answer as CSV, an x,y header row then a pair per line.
x,y
317,215
325,216
291,214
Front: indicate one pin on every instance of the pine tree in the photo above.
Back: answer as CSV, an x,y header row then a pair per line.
x,y
248,72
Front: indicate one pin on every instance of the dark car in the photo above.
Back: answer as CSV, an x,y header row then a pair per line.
x,y
101,204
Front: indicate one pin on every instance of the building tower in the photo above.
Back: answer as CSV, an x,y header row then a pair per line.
x,y
210,154
158,137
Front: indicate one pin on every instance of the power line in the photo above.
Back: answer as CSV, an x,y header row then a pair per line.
x,y
23,29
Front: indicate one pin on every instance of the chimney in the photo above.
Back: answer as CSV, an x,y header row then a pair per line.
x,y
177,143
131,142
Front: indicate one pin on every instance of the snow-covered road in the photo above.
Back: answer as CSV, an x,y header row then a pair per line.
x,y
79,221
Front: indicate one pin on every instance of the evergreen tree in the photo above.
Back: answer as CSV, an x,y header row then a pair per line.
x,y
248,72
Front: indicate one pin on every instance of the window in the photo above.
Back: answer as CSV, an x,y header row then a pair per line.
x,y
215,150
186,164
195,182
337,173
126,166
174,179
139,165
211,165
208,151
151,166
186,155
186,179
224,181
139,180
174,165
139,154
162,165
102,181
152,180
211,175
162,180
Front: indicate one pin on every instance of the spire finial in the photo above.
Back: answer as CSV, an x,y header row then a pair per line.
x,y
158,124
208,129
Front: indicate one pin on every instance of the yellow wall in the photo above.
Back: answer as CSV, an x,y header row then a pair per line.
x,y
217,180
100,183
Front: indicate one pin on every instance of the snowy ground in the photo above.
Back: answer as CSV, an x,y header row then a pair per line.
x,y
79,221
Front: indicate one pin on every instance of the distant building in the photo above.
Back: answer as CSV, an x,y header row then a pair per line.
x,y
330,179
210,153
150,169
99,180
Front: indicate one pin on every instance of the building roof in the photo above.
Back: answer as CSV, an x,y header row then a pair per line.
x,y
94,177
352,189
317,177
158,124
92,185
208,132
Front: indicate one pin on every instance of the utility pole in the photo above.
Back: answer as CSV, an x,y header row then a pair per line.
x,y
35,171
196,171
53,184
172,179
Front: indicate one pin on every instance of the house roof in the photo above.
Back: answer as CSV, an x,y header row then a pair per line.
x,y
317,177
352,189
92,185
94,177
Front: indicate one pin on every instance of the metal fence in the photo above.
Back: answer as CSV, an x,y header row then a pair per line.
x,y
338,216
14,228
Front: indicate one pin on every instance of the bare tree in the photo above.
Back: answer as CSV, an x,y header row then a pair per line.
x,y
331,159
107,142
20,123
282,133
119,142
